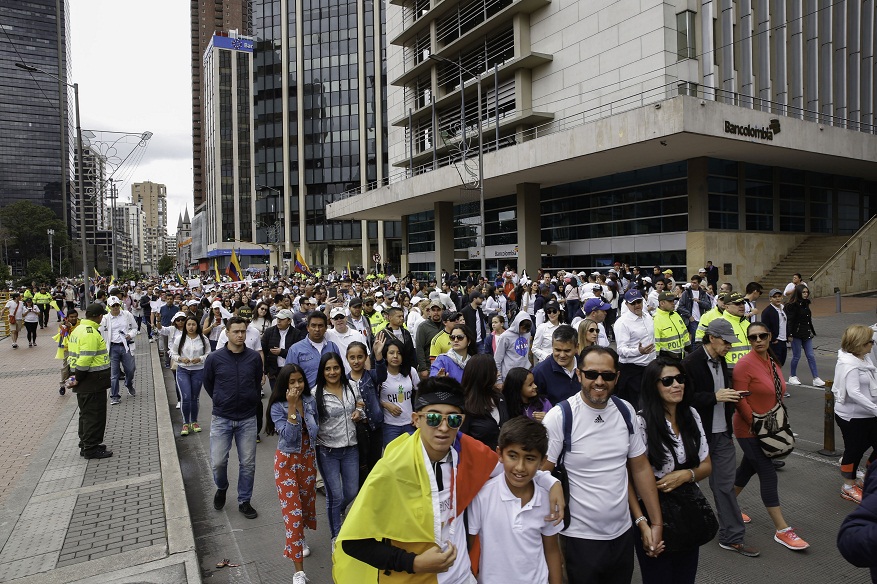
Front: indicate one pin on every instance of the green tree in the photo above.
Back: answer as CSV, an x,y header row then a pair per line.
x,y
165,264
39,271
128,275
27,224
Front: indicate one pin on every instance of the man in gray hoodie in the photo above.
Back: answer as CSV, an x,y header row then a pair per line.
x,y
513,346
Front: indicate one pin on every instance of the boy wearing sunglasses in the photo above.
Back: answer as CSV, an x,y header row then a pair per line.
x,y
392,524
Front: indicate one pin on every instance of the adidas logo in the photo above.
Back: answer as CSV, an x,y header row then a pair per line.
x,y
598,419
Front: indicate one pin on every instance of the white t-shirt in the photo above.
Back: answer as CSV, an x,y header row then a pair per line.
x,y
18,313
510,534
597,466
703,449
397,389
253,340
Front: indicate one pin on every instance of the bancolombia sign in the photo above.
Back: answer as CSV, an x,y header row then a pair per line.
x,y
750,131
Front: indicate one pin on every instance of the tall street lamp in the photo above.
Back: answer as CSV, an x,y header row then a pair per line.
x,y
51,234
79,169
273,233
483,237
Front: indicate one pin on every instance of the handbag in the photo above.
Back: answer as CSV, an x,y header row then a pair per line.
x,y
689,520
12,315
772,428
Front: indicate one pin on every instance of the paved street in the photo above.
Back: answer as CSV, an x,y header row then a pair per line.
x,y
142,515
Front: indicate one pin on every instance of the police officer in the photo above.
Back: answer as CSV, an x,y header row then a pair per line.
x,y
735,309
90,365
671,334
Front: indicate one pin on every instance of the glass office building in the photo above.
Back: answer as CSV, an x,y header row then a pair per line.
x,y
37,150
320,127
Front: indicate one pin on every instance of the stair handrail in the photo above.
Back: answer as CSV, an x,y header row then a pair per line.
x,y
842,248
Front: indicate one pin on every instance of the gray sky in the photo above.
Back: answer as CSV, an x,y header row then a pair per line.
x,y
131,60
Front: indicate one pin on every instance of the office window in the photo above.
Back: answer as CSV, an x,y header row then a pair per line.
x,y
821,204
686,47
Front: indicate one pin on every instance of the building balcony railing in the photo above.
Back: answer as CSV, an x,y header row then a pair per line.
x,y
649,96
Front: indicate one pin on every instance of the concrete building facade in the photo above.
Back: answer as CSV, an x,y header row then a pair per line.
x,y
641,131
152,199
207,18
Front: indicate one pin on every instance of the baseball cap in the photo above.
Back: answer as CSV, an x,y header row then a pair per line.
x,y
182,315
666,296
632,295
667,272
721,328
647,279
285,314
450,315
552,305
475,295
113,301
379,294
734,298
336,312
192,302
702,271
216,304
435,302
596,304
356,301
775,291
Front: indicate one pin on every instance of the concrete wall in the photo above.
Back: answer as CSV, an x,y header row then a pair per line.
x,y
853,270
751,255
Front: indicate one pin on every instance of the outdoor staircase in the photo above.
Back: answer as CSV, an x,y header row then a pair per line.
x,y
805,259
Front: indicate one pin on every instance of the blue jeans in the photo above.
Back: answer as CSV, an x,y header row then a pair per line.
x,y
339,468
189,381
392,432
222,430
119,355
808,351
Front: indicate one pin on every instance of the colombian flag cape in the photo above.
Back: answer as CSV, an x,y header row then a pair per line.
x,y
395,503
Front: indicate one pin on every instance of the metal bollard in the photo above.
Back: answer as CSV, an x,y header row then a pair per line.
x,y
837,307
828,422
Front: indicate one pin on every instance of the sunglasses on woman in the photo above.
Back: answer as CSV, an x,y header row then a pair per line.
x,y
593,375
758,336
552,311
434,420
668,380
593,330
457,337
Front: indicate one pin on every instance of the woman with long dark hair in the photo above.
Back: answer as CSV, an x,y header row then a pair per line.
x,y
484,405
453,363
397,390
677,450
190,353
760,380
293,417
339,407
522,397
801,331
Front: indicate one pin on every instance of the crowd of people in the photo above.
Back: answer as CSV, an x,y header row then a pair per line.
x,y
425,410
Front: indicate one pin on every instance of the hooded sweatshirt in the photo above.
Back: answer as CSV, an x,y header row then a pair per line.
x,y
855,387
513,348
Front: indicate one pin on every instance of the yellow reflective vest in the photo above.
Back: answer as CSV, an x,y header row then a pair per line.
x,y
87,354
705,320
671,334
41,298
741,347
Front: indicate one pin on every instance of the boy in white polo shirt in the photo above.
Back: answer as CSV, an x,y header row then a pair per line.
x,y
508,514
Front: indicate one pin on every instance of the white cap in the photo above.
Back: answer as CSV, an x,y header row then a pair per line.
x,y
179,315
192,302
379,293
336,311
216,304
312,300
113,301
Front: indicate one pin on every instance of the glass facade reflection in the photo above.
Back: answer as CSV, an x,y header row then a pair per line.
x,y
36,153
329,134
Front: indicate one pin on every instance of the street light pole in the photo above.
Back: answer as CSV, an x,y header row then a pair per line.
x,y
481,246
50,233
79,170
113,223
274,228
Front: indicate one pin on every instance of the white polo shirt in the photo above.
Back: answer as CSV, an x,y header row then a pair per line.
x,y
597,466
511,534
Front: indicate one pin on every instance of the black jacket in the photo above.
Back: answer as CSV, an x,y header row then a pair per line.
x,y
234,382
697,367
271,338
472,321
771,320
485,428
800,325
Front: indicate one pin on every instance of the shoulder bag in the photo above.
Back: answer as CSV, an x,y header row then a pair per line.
x,y
772,428
13,313
689,520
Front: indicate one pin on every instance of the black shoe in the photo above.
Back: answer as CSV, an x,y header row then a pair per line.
x,y
98,447
219,499
98,453
778,463
258,439
741,548
62,390
247,510
131,392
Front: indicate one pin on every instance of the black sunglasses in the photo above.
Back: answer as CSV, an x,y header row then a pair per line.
x,y
594,330
668,381
552,311
457,337
593,375
758,336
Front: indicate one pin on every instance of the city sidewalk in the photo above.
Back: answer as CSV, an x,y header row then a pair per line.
x,y
65,519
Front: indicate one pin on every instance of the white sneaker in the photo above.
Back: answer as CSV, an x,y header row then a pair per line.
x,y
794,380
299,578
305,550
818,382
178,405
